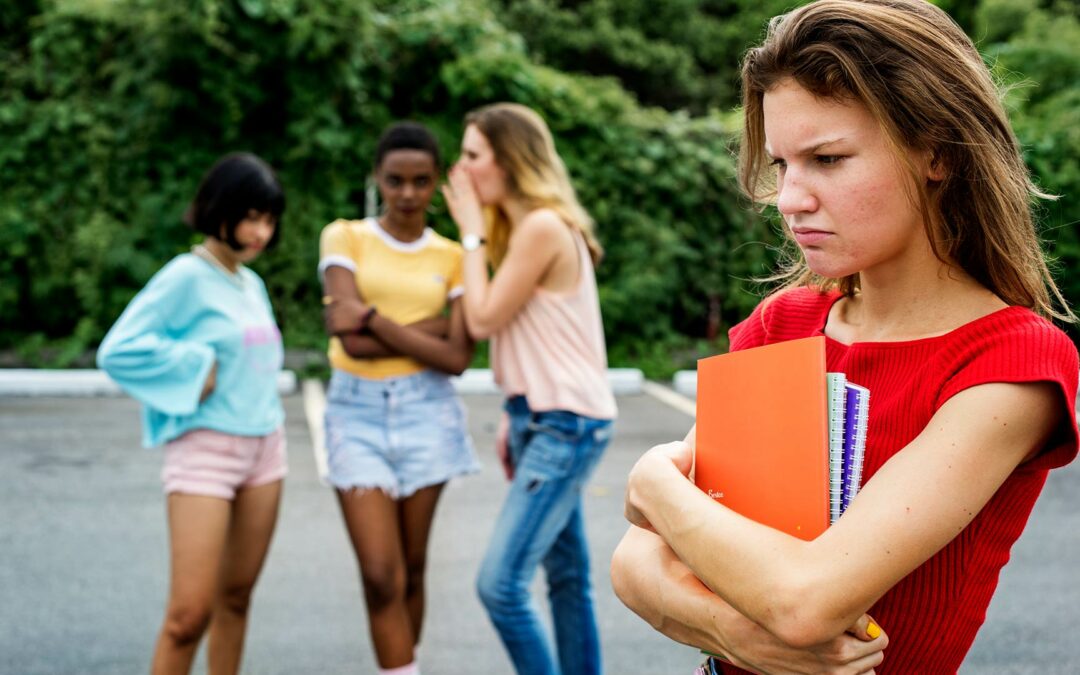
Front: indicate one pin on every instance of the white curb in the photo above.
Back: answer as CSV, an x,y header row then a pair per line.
x,y
623,381
685,382
91,382
83,382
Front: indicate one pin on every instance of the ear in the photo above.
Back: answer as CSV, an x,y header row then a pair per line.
x,y
935,167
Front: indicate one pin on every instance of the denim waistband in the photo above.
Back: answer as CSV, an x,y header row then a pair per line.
x,y
517,405
423,382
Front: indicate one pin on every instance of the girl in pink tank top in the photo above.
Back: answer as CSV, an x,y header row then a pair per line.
x,y
513,202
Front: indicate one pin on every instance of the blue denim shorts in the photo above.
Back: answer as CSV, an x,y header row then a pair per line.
x,y
398,435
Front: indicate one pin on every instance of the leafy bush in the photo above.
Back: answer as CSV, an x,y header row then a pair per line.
x,y
112,111
675,54
1045,106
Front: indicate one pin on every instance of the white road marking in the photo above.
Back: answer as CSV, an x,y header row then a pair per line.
x,y
675,400
314,410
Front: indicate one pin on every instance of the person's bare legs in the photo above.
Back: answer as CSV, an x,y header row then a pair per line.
x,y
417,515
197,532
373,525
254,515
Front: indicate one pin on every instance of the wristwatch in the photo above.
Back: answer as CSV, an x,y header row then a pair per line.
x,y
471,242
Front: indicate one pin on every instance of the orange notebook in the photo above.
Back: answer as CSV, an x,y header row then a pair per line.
x,y
762,434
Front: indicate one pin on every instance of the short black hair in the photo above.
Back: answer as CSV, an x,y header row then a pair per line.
x,y
237,183
407,136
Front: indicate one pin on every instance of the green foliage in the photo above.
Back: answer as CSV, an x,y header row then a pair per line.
x,y
674,54
1037,53
111,112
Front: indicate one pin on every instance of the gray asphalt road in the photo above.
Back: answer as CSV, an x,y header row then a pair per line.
x,y
83,558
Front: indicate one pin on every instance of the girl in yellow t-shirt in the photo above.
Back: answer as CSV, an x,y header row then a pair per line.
x,y
395,429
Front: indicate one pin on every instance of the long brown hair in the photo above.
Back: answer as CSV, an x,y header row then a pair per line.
x,y
923,80
535,173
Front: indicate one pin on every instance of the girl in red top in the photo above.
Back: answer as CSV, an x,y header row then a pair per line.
x,y
876,130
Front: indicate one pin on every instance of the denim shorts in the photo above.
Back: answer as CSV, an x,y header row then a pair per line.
x,y
398,434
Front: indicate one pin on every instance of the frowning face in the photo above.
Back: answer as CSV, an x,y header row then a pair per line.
x,y
847,199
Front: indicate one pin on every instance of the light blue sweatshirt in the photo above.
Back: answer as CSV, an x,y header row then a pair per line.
x,y
188,316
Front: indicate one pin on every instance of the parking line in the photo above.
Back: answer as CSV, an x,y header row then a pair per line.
x,y
673,399
314,410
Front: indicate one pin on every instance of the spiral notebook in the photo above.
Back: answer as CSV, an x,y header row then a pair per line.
x,y
837,394
856,421
779,440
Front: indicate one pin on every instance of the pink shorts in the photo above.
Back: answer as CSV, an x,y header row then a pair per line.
x,y
207,462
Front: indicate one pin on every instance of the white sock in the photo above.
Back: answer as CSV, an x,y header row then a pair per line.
x,y
408,669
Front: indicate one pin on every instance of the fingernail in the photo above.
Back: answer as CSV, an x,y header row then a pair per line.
x,y
873,630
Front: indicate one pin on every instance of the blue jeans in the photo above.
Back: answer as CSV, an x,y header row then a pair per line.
x,y
541,522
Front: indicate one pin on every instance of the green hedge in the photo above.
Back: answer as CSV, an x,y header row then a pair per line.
x,y
1044,99
111,111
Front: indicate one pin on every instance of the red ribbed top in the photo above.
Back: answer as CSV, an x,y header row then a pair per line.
x,y
932,614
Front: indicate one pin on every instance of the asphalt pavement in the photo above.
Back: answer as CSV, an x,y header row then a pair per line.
x,y
83,557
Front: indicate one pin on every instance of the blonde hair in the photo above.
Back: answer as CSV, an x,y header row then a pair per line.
x,y
535,174
924,82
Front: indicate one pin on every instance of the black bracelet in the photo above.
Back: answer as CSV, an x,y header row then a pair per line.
x,y
365,320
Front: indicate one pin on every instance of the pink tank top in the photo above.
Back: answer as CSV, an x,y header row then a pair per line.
x,y
553,350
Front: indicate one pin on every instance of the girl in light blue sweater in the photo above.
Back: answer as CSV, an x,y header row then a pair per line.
x,y
199,348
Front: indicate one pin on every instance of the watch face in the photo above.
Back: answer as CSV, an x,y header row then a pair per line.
x,y
471,242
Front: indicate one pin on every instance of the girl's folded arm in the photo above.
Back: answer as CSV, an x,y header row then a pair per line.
x,y
424,341
807,592
651,580
450,354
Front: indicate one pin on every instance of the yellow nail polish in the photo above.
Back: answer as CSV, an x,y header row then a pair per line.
x,y
873,630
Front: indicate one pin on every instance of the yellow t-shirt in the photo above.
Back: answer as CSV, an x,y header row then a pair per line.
x,y
407,282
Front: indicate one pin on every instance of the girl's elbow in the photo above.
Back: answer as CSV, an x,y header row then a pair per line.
x,y
623,568
107,358
801,619
799,632
481,326
478,331
625,572
457,366
619,580
627,594
454,359
355,350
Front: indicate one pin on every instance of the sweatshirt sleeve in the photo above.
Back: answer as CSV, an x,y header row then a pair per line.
x,y
160,371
